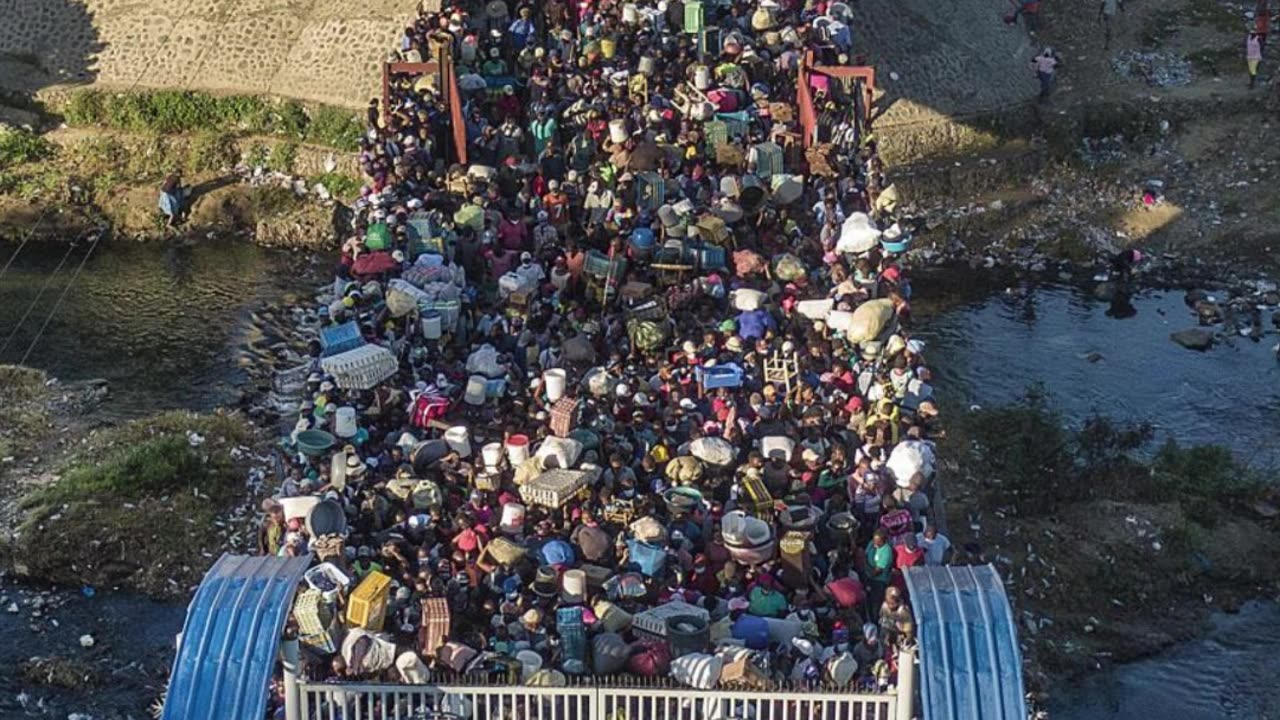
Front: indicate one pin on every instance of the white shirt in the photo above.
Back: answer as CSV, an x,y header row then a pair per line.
x,y
531,275
1045,63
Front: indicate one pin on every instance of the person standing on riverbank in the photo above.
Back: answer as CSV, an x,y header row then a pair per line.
x,y
1107,12
1046,67
172,198
1253,56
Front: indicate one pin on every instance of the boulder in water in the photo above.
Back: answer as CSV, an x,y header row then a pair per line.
x,y
1193,339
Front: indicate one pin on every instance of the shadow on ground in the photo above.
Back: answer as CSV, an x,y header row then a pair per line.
x,y
52,42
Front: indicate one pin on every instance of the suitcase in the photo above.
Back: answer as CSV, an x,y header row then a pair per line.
x,y
434,631
564,416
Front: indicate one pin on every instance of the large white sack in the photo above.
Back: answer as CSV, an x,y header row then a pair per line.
x,y
908,458
565,452
815,309
869,319
858,234
840,320
484,361
600,383
712,450
697,670
748,299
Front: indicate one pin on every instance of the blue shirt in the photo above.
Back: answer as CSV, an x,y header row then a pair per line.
x,y
752,324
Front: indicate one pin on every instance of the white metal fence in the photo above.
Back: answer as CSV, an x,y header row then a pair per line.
x,y
441,702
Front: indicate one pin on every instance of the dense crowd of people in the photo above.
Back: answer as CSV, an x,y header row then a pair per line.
x,y
635,388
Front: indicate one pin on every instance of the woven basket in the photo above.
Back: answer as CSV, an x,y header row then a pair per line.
x,y
328,547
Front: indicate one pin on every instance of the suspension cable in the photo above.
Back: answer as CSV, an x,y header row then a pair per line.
x,y
30,232
61,297
47,281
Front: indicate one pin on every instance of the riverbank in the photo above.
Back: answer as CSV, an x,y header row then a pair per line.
x,y
75,164
1112,549
144,505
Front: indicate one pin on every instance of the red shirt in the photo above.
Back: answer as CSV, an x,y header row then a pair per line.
x,y
904,557
513,234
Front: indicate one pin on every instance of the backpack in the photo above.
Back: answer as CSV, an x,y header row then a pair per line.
x,y
426,408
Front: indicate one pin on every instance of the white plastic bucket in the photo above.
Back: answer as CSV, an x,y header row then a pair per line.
x,y
618,131
344,422
554,380
476,385
298,507
630,14
777,444
530,663
574,584
647,65
492,454
517,448
512,517
702,77
459,440
432,325
702,111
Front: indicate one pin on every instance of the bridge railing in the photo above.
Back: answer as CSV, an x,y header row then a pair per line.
x,y
351,701
306,700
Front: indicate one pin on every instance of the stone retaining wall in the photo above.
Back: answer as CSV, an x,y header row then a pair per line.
x,y
326,51
952,60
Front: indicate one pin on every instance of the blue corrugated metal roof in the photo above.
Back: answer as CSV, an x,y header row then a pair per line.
x,y
970,663
230,638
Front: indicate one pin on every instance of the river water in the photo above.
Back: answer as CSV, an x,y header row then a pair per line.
x,y
176,327
167,325
989,346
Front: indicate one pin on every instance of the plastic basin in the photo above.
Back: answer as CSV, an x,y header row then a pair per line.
x,y
315,442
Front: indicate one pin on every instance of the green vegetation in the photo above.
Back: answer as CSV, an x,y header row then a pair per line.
x,y
343,187
173,111
23,397
212,151
1027,459
97,523
283,157
336,128
30,182
149,458
156,467
19,146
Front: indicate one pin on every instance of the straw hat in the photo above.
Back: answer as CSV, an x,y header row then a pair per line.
x,y
531,618
355,466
